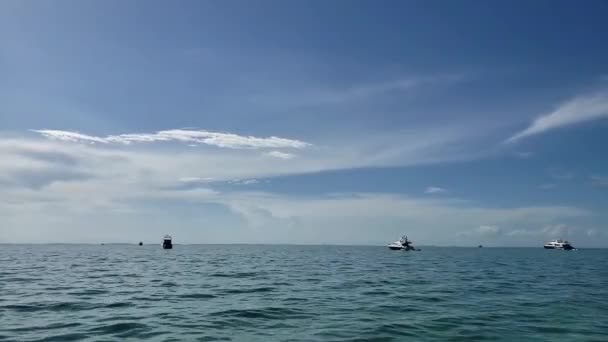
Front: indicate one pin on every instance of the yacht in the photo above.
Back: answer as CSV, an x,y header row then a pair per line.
x,y
559,244
402,244
167,242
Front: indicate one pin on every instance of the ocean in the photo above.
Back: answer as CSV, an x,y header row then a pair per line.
x,y
301,293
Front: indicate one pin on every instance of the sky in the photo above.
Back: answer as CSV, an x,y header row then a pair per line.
x,y
306,122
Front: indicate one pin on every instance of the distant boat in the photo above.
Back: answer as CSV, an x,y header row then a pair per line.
x,y
141,243
402,244
167,244
559,244
480,246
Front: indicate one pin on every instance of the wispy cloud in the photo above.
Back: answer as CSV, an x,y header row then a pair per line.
x,y
280,155
322,94
547,186
560,174
489,230
434,190
599,180
244,181
578,110
196,180
225,140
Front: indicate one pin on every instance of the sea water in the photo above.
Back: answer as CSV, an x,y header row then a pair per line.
x,y
301,293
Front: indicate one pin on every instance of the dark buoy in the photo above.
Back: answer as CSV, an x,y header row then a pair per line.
x,y
141,243
480,246
167,242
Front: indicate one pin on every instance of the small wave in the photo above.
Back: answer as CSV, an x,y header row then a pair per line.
x,y
252,290
119,318
69,306
168,284
64,337
377,293
394,329
197,295
118,328
235,275
295,299
213,338
266,313
22,279
47,327
88,292
119,305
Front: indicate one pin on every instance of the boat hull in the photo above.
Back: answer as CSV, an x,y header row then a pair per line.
x,y
565,248
395,248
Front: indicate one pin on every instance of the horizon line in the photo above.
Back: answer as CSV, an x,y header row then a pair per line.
x,y
261,244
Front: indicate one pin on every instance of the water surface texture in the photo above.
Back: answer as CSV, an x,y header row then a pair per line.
x,y
300,293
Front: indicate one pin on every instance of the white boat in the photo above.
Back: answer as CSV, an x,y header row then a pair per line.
x,y
403,244
167,244
559,244
395,245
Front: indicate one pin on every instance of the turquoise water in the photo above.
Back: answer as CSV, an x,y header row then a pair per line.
x,y
301,293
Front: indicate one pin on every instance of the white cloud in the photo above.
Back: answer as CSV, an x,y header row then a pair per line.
x,y
71,136
128,197
106,158
131,185
428,221
280,155
580,109
434,190
225,140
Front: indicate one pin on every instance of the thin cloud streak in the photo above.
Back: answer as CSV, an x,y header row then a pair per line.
x,y
432,190
224,140
280,155
599,180
578,110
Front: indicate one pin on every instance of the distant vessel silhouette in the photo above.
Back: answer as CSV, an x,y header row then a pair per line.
x,y
167,244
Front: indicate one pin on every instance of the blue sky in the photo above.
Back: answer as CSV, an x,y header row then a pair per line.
x,y
343,122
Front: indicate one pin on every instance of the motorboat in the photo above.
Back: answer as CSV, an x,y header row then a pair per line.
x,y
395,245
402,244
559,244
167,244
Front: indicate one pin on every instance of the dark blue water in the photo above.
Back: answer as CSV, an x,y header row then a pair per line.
x,y
301,293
